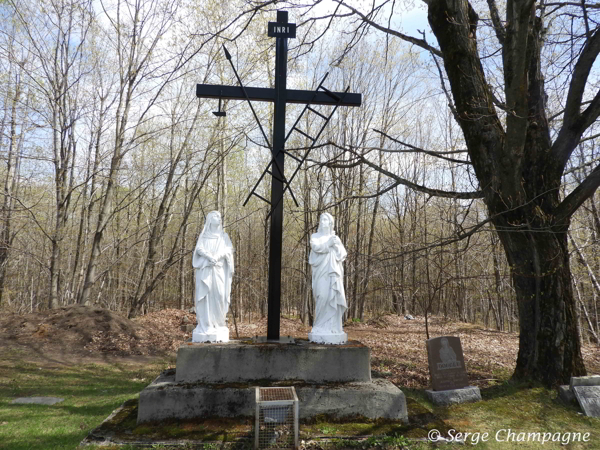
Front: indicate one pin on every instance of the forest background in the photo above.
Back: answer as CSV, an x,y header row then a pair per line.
x,y
110,164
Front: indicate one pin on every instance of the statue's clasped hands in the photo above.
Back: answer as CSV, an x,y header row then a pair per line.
x,y
333,240
214,262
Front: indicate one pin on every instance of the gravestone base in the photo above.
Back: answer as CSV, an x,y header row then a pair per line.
x,y
166,399
218,380
567,395
467,394
219,335
332,339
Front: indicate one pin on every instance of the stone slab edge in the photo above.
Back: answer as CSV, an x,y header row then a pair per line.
x,y
239,362
38,400
166,399
592,380
454,396
95,437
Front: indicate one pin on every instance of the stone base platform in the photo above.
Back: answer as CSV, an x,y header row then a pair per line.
x,y
167,399
453,396
244,361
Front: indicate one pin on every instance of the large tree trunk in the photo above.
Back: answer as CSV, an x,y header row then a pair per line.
x,y
519,170
549,345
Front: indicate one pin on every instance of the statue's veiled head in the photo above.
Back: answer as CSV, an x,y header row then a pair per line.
x,y
326,224
213,222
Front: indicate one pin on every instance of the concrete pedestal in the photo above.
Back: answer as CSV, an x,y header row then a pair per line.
x,y
453,396
239,362
219,335
218,380
167,399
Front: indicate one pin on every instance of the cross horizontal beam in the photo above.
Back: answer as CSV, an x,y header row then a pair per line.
x,y
268,95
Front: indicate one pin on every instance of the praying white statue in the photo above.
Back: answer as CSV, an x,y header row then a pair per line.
x,y
213,261
327,254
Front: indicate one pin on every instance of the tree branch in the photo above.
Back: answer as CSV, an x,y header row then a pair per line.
x,y
591,113
498,27
579,195
418,42
581,166
516,60
455,26
574,122
562,4
414,149
459,237
375,195
443,83
417,187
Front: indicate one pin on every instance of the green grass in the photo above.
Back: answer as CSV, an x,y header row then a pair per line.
x,y
518,407
91,393
523,408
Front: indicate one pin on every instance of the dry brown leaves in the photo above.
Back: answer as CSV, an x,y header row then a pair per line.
x,y
398,348
397,345
83,330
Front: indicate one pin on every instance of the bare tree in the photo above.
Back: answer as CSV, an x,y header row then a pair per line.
x,y
14,126
136,29
57,35
519,150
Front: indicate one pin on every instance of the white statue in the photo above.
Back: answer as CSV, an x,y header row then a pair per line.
x,y
213,261
327,254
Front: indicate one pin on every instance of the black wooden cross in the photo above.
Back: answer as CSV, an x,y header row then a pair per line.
x,y
281,30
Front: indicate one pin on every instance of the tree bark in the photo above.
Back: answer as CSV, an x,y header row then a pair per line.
x,y
549,348
520,177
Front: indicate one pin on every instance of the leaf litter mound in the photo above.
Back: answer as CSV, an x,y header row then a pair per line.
x,y
93,331
397,345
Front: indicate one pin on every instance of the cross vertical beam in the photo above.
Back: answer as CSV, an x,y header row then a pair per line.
x,y
281,30
276,241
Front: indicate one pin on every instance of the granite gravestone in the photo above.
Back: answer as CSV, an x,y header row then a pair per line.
x,y
589,399
446,363
587,393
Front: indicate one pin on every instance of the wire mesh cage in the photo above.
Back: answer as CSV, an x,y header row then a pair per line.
x,y
276,418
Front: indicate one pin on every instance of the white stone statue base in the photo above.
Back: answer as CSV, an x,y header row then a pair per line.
x,y
220,334
333,339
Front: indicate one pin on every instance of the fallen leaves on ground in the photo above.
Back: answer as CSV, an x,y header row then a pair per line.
x,y
397,345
